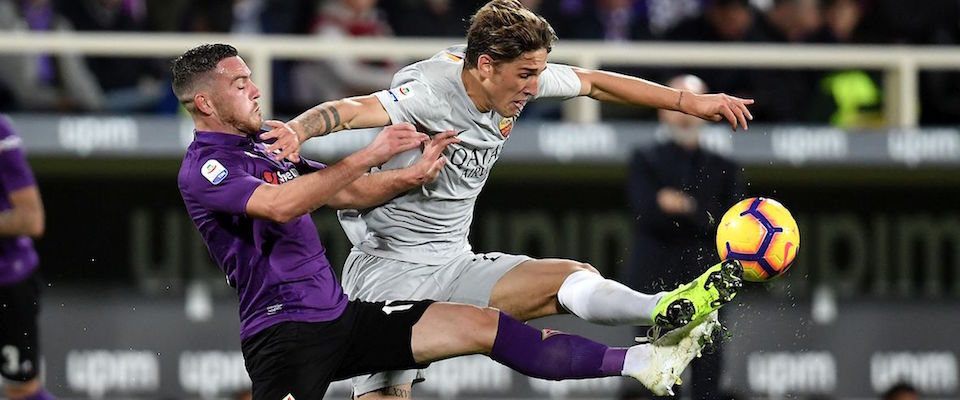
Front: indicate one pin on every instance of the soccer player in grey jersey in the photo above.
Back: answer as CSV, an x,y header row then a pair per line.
x,y
415,245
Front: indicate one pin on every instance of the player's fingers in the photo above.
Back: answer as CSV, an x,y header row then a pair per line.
x,y
284,147
406,126
274,123
276,126
294,157
742,119
408,144
729,116
444,135
746,111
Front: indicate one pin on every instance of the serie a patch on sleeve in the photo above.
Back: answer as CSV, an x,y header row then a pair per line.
x,y
213,171
401,92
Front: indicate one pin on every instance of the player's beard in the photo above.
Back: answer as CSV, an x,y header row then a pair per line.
x,y
248,124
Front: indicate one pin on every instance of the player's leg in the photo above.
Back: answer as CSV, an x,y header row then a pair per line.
x,y
403,334
536,288
19,356
370,278
298,359
447,329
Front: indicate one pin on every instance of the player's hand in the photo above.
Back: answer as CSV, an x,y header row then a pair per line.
x,y
673,201
393,140
432,161
717,107
288,141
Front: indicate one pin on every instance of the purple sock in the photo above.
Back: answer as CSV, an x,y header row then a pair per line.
x,y
553,355
40,395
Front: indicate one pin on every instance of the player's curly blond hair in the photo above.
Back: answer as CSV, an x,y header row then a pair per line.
x,y
504,30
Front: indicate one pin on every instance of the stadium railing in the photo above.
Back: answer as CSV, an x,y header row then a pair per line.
x,y
900,64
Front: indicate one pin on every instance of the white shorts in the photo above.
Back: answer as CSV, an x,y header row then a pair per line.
x,y
467,279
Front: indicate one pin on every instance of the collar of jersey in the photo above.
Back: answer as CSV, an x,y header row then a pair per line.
x,y
210,137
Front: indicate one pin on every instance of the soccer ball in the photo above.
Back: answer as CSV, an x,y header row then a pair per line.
x,y
761,233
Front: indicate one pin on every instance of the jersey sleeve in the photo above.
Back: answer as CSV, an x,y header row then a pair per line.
x,y
221,184
15,173
558,81
307,166
412,102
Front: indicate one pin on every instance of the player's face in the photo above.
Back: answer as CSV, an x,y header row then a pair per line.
x,y
515,82
237,96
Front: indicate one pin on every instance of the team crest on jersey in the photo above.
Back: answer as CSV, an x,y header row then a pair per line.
x,y
506,125
213,171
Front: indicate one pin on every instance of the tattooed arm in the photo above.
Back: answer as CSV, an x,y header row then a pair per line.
x,y
350,113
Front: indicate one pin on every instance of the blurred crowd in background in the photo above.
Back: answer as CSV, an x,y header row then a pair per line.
x,y
846,98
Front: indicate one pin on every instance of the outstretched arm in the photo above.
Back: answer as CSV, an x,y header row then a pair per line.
x,y
325,118
377,188
618,88
282,203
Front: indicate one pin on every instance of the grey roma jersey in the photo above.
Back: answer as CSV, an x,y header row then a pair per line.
x,y
430,225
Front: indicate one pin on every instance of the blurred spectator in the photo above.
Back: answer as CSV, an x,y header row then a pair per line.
x,y
677,189
316,81
855,97
841,18
165,16
901,391
425,18
723,21
43,82
128,84
789,21
611,20
664,15
208,16
785,95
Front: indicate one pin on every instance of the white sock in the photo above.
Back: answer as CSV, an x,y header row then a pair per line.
x,y
596,299
637,359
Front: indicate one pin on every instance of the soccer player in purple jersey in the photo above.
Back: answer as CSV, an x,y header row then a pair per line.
x,y
21,218
299,331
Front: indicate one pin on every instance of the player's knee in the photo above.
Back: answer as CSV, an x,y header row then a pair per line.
x,y
483,322
21,390
582,266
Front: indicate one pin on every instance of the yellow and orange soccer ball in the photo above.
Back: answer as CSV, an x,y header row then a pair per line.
x,y
761,233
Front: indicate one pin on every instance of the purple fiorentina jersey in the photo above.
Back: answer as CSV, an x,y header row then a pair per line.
x,y
280,271
17,256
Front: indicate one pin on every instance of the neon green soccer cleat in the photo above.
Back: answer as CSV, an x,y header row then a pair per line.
x,y
695,300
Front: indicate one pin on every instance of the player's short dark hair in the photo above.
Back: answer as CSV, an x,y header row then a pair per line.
x,y
899,388
196,62
504,30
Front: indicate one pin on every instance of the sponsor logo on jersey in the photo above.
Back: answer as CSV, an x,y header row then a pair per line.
x,y
213,171
506,125
278,177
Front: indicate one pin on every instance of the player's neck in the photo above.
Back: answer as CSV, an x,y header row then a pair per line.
x,y
474,87
208,125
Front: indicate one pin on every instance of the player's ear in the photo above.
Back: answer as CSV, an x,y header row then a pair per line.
x,y
203,104
485,65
